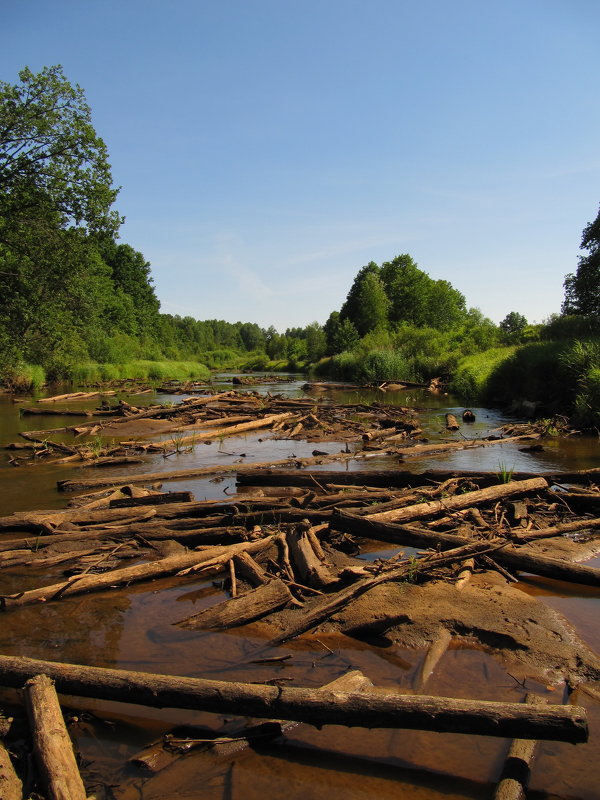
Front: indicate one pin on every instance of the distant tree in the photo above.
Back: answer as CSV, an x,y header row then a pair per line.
x,y
373,305
582,289
351,308
341,335
252,336
316,341
513,324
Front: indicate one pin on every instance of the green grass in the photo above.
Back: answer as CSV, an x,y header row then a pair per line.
x,y
24,378
152,371
473,374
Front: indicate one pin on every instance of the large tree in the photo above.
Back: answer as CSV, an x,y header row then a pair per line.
x,y
56,195
582,289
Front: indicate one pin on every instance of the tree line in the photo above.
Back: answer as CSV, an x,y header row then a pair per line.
x,y
70,292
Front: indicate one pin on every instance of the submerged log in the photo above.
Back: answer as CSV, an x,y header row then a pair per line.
x,y
314,706
452,423
52,745
515,775
240,610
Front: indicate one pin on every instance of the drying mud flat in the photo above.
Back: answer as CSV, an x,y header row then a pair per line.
x,y
310,563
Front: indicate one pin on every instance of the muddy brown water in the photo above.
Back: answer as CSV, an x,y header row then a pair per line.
x,y
132,629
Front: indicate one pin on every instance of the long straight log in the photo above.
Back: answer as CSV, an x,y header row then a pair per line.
x,y
515,775
459,501
509,556
197,472
229,430
398,477
52,745
314,706
140,572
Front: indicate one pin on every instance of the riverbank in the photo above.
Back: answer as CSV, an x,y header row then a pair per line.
x,y
135,623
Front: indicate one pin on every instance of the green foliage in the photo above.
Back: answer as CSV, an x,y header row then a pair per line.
x,y
582,289
472,377
513,326
24,378
504,473
154,371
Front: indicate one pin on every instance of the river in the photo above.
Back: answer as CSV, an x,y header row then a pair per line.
x,y
132,629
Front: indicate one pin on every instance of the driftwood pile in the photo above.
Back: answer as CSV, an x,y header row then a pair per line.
x,y
288,546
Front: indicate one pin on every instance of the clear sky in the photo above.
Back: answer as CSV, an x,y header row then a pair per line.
x,y
267,149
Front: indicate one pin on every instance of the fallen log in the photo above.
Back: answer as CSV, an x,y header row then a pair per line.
x,y
323,609
398,478
152,500
50,520
310,569
229,430
172,565
11,787
246,607
509,556
51,742
515,775
174,475
459,501
315,706
451,423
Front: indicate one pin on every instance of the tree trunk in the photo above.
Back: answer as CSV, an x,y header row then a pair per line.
x,y
240,610
314,706
214,556
515,775
508,556
52,744
11,787
459,501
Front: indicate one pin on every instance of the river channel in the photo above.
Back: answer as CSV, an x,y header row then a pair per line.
x,y
132,629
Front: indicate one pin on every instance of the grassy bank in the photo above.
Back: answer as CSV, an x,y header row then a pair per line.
x,y
31,378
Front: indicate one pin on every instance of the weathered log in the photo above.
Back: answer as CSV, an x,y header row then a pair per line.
x,y
229,430
196,472
152,499
50,520
240,610
556,530
314,706
110,461
249,570
452,423
459,501
52,745
515,775
432,658
11,787
323,609
154,758
509,556
173,565
310,569
397,477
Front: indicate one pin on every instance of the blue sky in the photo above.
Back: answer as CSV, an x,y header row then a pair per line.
x,y
267,149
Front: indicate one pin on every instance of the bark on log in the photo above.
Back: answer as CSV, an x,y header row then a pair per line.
x,y
397,477
314,706
174,475
332,603
165,567
249,570
52,744
452,423
310,570
152,500
50,520
11,787
459,501
240,610
230,430
515,775
511,557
